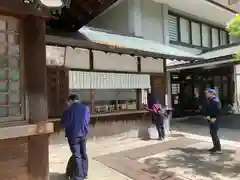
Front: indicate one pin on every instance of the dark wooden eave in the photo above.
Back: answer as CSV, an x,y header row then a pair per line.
x,y
80,13
70,19
20,9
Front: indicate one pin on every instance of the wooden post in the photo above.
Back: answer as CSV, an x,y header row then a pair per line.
x,y
33,53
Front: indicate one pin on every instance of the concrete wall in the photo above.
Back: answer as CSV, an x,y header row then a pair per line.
x,y
154,21
138,17
115,19
233,39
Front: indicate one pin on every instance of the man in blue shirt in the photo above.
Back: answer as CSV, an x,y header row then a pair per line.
x,y
75,120
212,111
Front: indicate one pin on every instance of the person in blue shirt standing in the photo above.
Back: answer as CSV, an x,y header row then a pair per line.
x,y
75,120
212,111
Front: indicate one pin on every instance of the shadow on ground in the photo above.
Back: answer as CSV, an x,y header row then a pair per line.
x,y
57,176
229,126
147,138
199,162
225,121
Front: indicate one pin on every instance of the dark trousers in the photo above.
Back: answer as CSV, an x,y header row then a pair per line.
x,y
79,151
158,121
214,134
160,129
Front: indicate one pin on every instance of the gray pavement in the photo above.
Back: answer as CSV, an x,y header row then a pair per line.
x,y
195,163
59,154
229,127
225,121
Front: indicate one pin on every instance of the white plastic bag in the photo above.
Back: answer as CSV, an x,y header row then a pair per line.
x,y
152,132
167,126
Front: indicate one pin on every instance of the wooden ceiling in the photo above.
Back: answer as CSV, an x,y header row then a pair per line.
x,y
80,13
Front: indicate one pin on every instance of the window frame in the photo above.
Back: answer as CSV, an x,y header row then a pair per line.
x,y
178,35
198,25
218,37
179,42
139,105
188,27
222,36
139,89
22,105
208,36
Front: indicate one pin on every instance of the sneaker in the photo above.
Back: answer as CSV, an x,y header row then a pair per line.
x,y
211,150
160,139
216,151
86,178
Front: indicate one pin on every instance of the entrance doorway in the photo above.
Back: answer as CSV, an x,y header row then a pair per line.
x,y
188,98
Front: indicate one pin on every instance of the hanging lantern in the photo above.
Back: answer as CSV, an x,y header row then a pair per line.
x,y
55,3
49,3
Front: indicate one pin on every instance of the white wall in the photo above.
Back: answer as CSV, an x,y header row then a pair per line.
x,y
138,17
153,20
233,39
115,19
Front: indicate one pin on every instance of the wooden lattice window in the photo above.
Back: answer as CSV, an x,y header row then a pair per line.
x,y
10,95
58,90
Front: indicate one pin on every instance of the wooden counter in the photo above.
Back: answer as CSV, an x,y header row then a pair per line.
x,y
26,130
119,113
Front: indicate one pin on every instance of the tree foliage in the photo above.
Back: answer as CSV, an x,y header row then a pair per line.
x,y
233,28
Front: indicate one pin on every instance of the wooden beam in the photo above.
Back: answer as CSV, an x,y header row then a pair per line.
x,y
93,5
32,36
26,130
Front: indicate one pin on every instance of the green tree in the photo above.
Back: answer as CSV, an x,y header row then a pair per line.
x,y
233,28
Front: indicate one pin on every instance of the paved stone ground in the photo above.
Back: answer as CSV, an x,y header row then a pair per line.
x,y
122,158
59,154
225,121
193,162
203,130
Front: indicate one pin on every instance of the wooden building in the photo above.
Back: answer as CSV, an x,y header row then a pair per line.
x,y
31,91
218,70
112,73
24,125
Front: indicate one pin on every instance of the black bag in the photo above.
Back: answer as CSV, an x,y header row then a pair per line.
x,y
71,166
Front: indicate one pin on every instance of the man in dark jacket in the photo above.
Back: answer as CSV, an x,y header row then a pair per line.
x,y
212,111
157,111
75,120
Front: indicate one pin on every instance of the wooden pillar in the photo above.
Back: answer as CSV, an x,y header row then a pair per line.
x,y
34,59
158,86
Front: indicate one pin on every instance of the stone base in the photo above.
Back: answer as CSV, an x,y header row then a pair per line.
x,y
14,159
133,125
24,158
